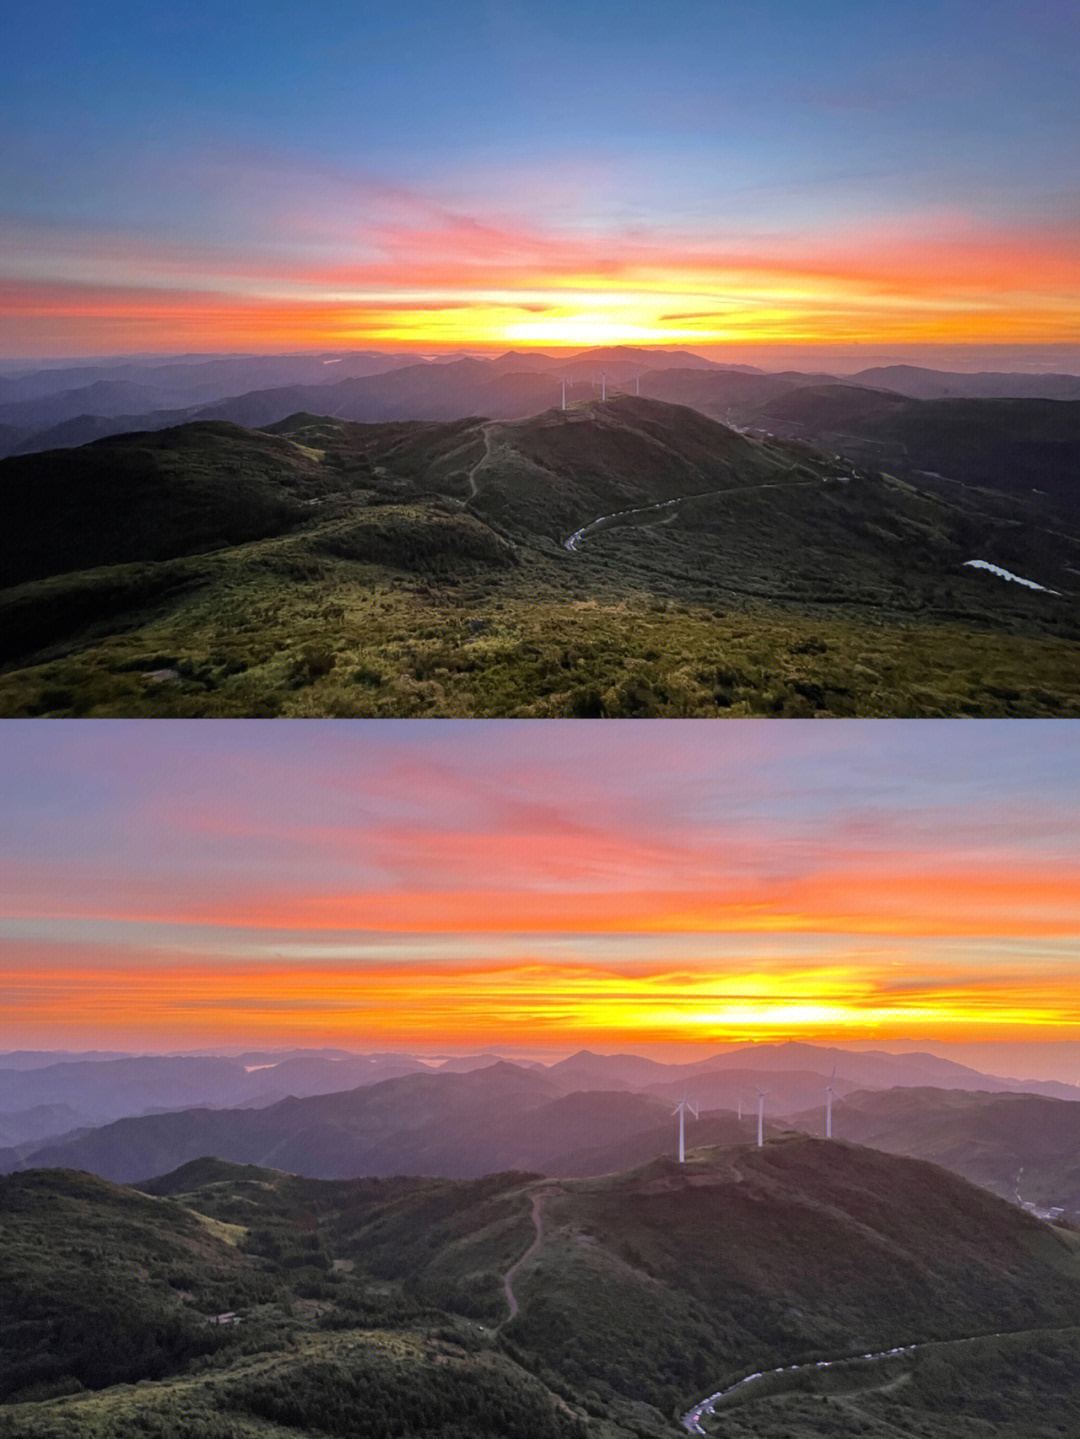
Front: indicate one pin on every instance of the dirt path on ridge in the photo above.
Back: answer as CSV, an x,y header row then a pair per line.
x,y
508,1277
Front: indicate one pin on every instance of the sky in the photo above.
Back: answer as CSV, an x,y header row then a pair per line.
x,y
742,178
653,886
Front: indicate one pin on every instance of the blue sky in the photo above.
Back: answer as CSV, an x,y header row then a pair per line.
x,y
829,172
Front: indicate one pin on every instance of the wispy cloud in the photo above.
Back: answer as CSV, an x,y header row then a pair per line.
x,y
653,881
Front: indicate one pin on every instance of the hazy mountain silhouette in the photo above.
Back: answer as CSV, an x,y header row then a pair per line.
x,y
75,404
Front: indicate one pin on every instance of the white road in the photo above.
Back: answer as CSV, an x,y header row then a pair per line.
x,y
575,539
691,1420
1005,575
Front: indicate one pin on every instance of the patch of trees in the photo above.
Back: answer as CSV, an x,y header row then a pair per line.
x,y
390,1400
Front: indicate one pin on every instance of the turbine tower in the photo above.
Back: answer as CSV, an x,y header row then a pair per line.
x,y
637,383
564,392
680,1109
761,1117
829,1092
603,385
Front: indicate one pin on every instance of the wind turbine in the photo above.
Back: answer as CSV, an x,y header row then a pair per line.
x,y
740,1108
680,1109
603,385
761,1117
829,1092
564,392
637,383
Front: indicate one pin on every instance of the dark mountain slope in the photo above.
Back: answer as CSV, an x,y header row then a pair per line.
x,y
1016,445
456,1124
1016,1144
748,1257
722,393
1012,445
151,497
94,1278
822,409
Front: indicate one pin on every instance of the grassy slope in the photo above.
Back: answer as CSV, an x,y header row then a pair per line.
x,y
670,1281
399,592
650,1286
102,1285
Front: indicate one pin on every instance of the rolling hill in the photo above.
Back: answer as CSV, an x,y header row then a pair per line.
x,y
527,1308
744,1257
632,557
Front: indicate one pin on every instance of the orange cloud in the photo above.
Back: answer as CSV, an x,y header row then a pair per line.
x,y
420,277
904,901
524,1001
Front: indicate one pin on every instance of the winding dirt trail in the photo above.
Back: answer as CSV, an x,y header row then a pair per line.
x,y
470,475
508,1277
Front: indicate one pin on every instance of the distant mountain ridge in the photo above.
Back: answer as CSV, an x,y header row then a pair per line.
x,y
72,405
587,1114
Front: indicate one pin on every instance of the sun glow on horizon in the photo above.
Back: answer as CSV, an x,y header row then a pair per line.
x,y
428,883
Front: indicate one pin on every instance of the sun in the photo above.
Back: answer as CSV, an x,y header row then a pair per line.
x,y
590,330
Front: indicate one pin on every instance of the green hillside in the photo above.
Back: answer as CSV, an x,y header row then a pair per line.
x,y
102,1285
382,1307
627,558
147,497
668,1280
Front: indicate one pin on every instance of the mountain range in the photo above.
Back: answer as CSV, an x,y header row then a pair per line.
x,y
42,408
585,1115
